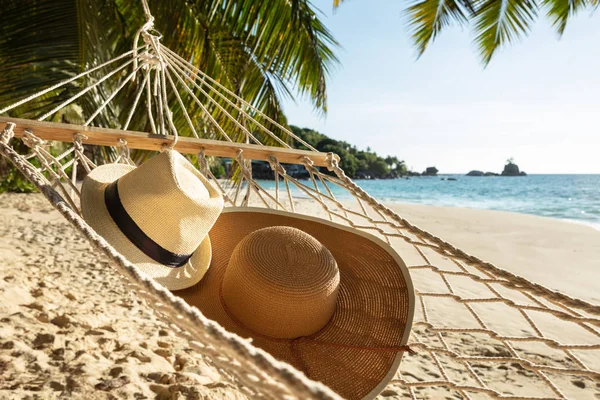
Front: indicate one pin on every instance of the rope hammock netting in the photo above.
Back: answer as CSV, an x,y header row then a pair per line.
x,y
553,339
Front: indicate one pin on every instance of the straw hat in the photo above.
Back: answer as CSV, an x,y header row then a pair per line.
x,y
157,215
335,303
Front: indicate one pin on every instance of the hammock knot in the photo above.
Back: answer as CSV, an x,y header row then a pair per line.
x,y
308,163
246,167
150,61
333,163
151,35
239,156
31,140
8,132
147,13
124,152
78,139
171,145
275,165
203,162
149,38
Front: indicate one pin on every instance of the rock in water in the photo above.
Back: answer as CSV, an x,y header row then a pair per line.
x,y
430,171
475,173
511,169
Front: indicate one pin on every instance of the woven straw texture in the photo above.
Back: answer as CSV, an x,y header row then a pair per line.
x,y
374,307
177,219
280,282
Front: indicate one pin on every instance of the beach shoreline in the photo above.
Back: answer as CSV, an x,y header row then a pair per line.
x,y
392,203
566,197
397,203
535,247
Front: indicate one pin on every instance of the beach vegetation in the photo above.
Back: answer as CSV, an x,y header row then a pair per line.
x,y
13,181
355,163
218,169
265,52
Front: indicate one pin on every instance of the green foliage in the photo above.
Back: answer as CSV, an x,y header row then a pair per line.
x,y
13,181
429,17
398,165
218,170
559,11
501,21
263,51
355,163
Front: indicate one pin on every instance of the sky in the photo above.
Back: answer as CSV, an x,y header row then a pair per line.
x,y
538,101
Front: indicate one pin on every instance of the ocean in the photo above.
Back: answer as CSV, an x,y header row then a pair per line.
x,y
570,197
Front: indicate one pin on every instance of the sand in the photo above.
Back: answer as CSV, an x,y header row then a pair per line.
x,y
561,255
71,328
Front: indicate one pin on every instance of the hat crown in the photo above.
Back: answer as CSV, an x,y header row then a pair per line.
x,y
281,282
171,201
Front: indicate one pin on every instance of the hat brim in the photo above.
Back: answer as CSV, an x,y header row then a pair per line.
x,y
97,216
353,353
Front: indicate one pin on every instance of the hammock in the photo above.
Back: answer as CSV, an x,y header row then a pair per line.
x,y
451,354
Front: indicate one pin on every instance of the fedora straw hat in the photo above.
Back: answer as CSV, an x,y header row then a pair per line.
x,y
333,302
157,215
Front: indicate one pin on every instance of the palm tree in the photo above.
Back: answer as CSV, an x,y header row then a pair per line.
x,y
495,23
263,51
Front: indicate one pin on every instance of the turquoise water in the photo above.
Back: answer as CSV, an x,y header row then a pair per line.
x,y
570,197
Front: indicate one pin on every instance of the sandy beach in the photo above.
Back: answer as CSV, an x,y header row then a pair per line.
x,y
71,327
539,249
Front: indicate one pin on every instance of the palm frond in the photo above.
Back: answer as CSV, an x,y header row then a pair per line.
x,y
288,39
427,18
37,48
560,11
263,51
499,22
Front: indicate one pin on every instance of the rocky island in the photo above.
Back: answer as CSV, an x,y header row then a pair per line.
x,y
481,173
430,171
510,169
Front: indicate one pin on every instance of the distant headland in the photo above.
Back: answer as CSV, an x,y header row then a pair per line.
x,y
357,164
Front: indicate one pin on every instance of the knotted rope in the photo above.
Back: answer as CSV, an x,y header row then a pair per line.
x,y
144,29
7,133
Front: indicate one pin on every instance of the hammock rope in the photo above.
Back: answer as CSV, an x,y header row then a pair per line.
x,y
165,81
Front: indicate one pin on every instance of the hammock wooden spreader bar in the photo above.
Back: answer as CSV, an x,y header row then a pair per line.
x,y
147,141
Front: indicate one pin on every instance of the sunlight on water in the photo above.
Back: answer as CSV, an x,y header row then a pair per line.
x,y
570,197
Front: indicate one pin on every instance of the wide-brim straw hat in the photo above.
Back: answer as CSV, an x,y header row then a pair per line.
x,y
157,215
360,347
